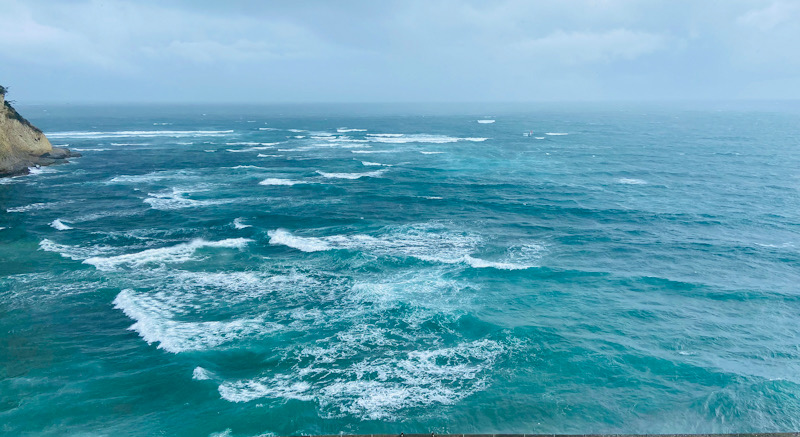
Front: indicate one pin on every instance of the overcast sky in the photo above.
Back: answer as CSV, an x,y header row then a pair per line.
x,y
399,51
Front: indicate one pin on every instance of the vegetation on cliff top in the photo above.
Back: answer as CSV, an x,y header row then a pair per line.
x,y
13,114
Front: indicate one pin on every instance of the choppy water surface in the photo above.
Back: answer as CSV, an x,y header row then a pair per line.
x,y
249,270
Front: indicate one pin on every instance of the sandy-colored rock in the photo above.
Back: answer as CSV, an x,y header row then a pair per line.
x,y
22,145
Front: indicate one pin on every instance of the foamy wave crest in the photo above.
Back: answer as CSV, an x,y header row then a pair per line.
x,y
377,388
425,152
155,323
485,121
73,252
174,199
556,134
201,374
306,244
418,138
429,243
165,255
59,225
89,150
33,207
155,176
372,151
343,130
374,164
238,224
261,146
369,174
140,133
277,181
631,181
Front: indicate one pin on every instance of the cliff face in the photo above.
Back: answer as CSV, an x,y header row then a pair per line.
x,y
22,145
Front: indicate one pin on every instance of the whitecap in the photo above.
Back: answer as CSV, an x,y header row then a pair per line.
x,y
631,181
139,133
306,244
343,130
370,174
201,374
59,225
485,121
556,133
89,150
155,323
277,181
171,254
261,155
425,152
420,138
237,223
374,164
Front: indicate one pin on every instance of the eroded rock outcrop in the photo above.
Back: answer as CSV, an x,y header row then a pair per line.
x,y
23,145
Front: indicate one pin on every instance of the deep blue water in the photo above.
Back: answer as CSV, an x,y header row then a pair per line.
x,y
362,269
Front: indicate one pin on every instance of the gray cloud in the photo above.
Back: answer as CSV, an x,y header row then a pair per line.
x,y
410,50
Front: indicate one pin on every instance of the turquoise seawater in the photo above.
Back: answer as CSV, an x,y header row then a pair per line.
x,y
362,269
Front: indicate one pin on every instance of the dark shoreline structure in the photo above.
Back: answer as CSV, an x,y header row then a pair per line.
x,y
23,145
759,434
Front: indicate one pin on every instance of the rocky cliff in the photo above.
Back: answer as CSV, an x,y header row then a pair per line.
x,y
22,145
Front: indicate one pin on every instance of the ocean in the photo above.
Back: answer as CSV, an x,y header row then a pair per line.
x,y
315,269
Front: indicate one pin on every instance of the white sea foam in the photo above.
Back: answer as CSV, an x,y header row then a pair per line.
x,y
263,146
139,133
277,181
306,244
374,164
385,135
178,253
174,199
59,225
419,138
155,176
372,151
425,152
631,181
33,207
261,155
297,131
556,133
130,144
155,323
369,174
267,128
539,138
376,388
89,150
33,171
237,223
485,121
76,253
430,243
201,374
343,130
